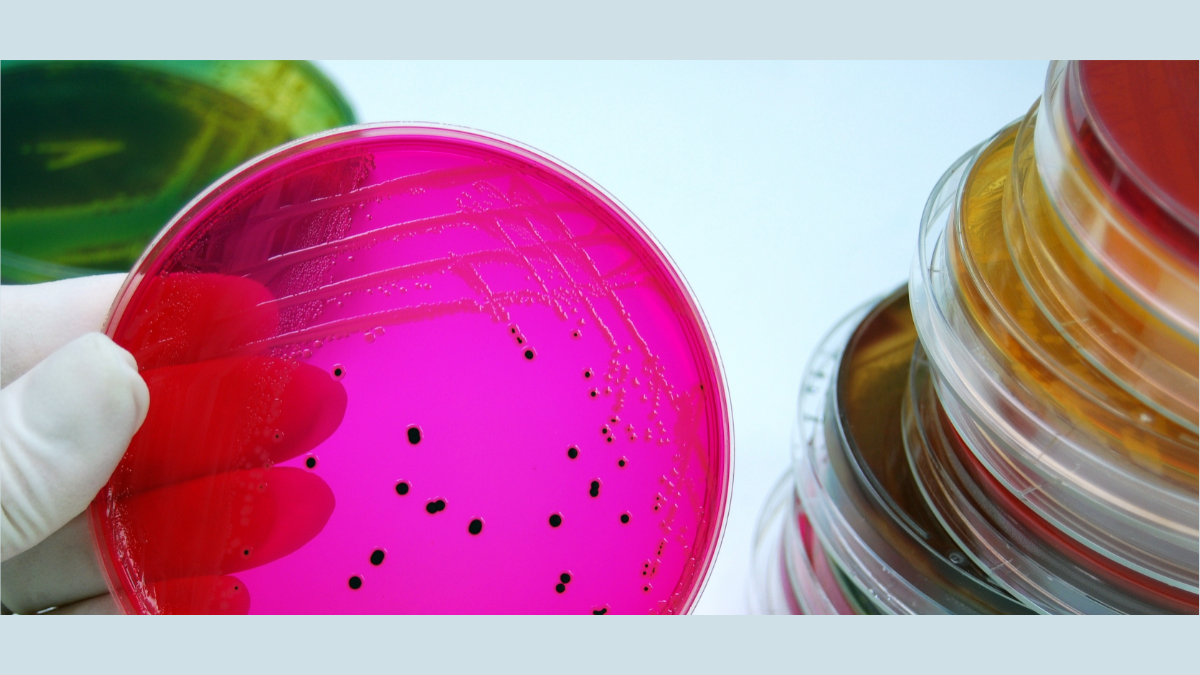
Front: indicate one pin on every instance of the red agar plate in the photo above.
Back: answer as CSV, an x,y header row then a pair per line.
x,y
415,369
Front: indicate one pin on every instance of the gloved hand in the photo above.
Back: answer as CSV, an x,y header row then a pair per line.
x,y
71,401
203,494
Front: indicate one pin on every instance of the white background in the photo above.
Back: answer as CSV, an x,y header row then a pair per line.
x,y
786,193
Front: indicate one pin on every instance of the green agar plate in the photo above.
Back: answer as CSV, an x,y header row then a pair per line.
x,y
98,156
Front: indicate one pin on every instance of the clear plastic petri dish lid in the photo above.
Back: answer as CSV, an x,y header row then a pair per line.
x,y
1116,150
1151,357
1099,497
791,573
865,512
414,369
1134,349
1048,570
99,155
821,586
772,590
1135,126
989,266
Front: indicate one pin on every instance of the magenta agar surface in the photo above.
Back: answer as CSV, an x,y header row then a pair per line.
x,y
414,369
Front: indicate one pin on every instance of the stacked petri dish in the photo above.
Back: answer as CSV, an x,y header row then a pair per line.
x,y
1016,431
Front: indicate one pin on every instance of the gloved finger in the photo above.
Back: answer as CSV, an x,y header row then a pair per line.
x,y
36,320
196,317
61,570
193,532
101,604
299,405
63,428
222,524
226,414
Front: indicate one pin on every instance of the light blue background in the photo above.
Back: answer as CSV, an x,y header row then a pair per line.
x,y
786,193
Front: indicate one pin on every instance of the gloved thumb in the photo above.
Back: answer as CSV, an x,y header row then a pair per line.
x,y
64,426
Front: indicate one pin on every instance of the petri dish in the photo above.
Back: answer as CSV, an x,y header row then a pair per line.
x,y
1057,382
98,155
414,369
1122,332
771,589
1099,496
792,573
1020,551
837,584
1135,126
1116,149
823,587
853,477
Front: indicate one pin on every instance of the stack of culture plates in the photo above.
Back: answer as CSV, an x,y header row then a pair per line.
x,y
1016,430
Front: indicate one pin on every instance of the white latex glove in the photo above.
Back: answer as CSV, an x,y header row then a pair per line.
x,y
71,401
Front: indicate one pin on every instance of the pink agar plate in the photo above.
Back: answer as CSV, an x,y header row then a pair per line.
x,y
417,369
